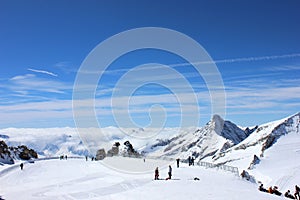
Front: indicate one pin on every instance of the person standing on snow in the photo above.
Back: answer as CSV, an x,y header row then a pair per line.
x,y
190,161
170,172
297,190
156,174
177,161
21,166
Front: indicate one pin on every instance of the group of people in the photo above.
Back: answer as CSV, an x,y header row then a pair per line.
x,y
191,160
156,173
92,158
287,194
63,157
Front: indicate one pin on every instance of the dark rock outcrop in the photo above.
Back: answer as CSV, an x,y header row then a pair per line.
x,y
9,154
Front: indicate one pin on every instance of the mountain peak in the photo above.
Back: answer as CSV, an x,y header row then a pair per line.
x,y
227,129
218,123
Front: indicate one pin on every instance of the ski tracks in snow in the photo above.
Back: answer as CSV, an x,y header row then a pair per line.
x,y
96,192
286,180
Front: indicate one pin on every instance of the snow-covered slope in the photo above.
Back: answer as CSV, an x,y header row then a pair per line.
x,y
217,136
78,179
276,146
258,143
256,150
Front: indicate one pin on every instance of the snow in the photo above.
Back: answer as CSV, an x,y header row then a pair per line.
x,y
280,164
80,179
130,178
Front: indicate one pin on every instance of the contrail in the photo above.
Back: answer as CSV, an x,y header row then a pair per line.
x,y
258,58
42,71
232,60
245,59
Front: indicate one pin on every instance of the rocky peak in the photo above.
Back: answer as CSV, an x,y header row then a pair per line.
x,y
227,129
217,123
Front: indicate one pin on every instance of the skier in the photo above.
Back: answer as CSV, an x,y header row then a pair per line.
x,y
177,160
156,174
170,172
21,166
297,190
86,158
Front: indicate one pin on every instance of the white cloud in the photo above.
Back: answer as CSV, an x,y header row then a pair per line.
x,y
285,68
42,72
29,82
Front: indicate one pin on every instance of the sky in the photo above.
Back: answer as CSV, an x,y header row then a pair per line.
x,y
254,45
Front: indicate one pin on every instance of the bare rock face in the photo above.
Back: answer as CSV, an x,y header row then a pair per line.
x,y
129,150
9,154
5,155
247,176
25,153
254,162
101,154
228,130
114,151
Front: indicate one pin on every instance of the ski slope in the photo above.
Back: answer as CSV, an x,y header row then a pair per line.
x,y
80,179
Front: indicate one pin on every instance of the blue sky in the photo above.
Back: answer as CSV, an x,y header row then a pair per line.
x,y
255,45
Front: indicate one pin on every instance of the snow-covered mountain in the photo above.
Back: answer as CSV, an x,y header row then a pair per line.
x,y
216,137
219,142
270,153
263,138
233,146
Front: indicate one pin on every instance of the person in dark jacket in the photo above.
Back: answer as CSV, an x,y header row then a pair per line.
x,y
177,161
261,188
156,174
190,160
170,172
297,190
21,166
289,195
276,191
